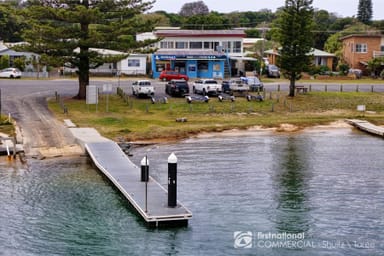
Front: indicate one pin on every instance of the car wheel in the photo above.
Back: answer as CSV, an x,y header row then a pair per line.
x,y
204,92
193,89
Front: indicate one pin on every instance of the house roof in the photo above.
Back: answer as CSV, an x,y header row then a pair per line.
x,y
360,35
314,52
199,33
10,52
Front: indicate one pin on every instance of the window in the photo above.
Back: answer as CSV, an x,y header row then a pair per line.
x,y
181,45
195,45
382,48
134,63
202,65
227,46
207,45
236,46
166,45
362,48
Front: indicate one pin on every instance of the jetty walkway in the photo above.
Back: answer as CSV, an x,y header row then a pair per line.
x,y
149,199
367,127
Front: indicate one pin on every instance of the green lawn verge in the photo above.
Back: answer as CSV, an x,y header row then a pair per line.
x,y
135,119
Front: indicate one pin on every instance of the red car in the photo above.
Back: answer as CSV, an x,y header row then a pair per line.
x,y
167,75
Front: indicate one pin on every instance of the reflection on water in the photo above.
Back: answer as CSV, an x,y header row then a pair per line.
x,y
327,184
291,177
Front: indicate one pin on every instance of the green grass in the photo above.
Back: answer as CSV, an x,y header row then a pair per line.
x,y
138,119
6,127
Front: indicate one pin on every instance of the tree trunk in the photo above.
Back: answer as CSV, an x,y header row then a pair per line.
x,y
292,86
84,60
83,83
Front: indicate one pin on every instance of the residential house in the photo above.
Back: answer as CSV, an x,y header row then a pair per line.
x,y
5,50
196,53
320,58
134,64
358,49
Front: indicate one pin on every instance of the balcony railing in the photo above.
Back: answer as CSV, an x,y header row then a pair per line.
x,y
378,54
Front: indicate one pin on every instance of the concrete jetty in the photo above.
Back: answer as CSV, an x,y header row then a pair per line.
x,y
367,127
149,199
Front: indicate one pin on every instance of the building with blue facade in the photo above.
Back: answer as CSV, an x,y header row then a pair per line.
x,y
197,53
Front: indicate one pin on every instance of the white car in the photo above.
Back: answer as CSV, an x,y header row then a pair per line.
x,y
10,73
143,88
207,86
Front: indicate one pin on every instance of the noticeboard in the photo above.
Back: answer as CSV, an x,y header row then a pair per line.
x,y
91,97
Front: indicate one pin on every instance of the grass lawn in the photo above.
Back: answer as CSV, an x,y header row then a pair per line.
x,y
133,119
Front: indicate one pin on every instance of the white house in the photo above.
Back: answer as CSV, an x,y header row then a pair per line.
x,y
134,64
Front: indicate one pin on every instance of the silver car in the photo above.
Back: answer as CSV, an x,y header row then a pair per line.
x,y
10,73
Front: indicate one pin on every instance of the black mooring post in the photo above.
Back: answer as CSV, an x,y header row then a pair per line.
x,y
172,180
144,169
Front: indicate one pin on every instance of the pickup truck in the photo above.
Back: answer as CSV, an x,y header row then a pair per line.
x,y
245,84
206,87
143,88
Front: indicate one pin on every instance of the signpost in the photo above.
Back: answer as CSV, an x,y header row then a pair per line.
x,y
107,89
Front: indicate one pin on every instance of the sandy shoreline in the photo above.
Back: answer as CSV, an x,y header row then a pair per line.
x,y
254,130
283,128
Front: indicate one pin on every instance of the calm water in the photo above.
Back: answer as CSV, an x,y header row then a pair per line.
x,y
324,185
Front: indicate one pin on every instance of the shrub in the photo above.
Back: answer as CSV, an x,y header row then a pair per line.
x,y
382,74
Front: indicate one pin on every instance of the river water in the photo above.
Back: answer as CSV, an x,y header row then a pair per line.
x,y
319,192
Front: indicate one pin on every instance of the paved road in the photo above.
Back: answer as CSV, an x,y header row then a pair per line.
x,y
43,135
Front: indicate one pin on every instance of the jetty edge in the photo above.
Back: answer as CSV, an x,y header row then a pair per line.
x,y
367,127
149,199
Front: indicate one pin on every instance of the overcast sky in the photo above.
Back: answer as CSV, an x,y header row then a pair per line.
x,y
344,8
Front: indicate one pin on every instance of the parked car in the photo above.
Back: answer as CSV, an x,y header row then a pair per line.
x,y
177,87
225,86
167,75
357,72
143,88
273,71
254,83
238,86
10,73
206,87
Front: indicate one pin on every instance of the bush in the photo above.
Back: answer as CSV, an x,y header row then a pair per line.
x,y
382,74
343,69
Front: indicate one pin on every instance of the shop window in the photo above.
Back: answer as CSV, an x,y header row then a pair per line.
x,y
202,65
160,67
